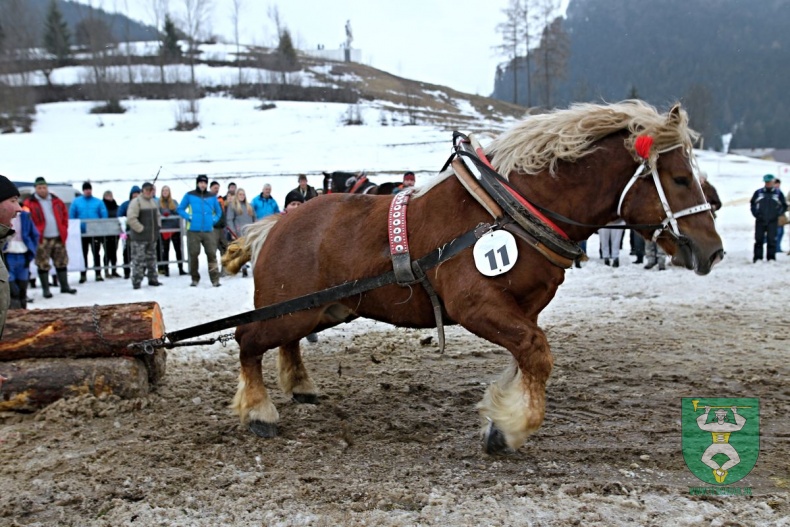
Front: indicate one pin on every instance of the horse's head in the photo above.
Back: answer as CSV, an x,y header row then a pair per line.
x,y
669,192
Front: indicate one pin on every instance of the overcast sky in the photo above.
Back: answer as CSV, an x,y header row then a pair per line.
x,y
448,42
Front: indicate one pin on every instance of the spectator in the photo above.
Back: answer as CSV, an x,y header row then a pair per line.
x,y
9,207
144,222
51,219
19,252
168,207
111,242
304,190
767,205
239,214
408,181
202,210
637,246
264,204
610,243
292,201
86,207
127,249
230,194
655,255
219,227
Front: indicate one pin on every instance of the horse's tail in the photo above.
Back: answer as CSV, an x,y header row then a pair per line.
x,y
246,248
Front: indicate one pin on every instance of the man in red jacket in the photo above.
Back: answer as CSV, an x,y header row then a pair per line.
x,y
51,218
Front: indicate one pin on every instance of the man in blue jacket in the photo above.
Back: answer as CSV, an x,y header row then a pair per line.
x,y
86,207
264,204
767,204
202,210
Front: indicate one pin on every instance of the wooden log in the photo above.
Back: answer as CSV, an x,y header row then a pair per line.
x,y
91,331
34,383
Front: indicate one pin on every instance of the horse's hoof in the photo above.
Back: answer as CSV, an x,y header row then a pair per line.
x,y
305,398
263,429
494,442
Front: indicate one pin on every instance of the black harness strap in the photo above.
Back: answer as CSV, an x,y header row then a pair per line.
x,y
338,292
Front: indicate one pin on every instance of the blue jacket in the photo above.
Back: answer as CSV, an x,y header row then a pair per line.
x,y
87,209
200,209
125,205
29,235
264,206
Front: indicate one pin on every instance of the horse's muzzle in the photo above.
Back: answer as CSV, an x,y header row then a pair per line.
x,y
692,257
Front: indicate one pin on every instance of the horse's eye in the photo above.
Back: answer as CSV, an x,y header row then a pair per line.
x,y
682,180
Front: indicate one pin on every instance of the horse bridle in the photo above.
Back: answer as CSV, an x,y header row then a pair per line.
x,y
671,219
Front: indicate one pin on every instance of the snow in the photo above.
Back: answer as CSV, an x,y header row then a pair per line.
x,y
250,147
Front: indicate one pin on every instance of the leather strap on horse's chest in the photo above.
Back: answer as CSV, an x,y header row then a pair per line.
x,y
406,271
399,238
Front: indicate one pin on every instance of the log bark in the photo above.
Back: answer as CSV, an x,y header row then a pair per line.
x,y
34,383
91,331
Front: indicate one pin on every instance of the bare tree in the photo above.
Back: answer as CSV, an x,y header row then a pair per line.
x,y
510,31
157,10
196,14
20,55
236,19
527,13
96,36
699,104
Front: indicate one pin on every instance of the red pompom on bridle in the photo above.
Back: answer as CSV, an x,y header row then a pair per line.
x,y
642,146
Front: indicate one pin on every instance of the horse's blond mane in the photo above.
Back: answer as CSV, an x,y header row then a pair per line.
x,y
541,140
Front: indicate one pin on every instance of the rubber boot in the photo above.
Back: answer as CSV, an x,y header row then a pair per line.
x,y
43,276
83,277
16,302
22,285
63,278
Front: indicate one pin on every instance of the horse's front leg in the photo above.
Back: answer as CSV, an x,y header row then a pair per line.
x,y
514,405
293,377
252,402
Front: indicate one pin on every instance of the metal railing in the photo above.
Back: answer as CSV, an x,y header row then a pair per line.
x,y
108,227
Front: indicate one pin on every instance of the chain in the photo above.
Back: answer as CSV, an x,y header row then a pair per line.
x,y
96,328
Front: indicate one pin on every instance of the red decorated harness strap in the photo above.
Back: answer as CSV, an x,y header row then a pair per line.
x,y
396,223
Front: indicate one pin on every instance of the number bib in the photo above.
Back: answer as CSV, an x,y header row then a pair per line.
x,y
495,253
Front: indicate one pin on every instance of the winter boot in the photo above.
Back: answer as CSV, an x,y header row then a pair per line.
x,y
639,260
43,276
651,262
606,261
616,262
83,277
16,302
22,286
99,277
63,278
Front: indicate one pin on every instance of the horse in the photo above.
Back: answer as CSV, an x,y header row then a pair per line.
x,y
340,182
584,163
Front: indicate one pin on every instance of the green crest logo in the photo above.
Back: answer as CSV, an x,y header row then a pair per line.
x,y
721,437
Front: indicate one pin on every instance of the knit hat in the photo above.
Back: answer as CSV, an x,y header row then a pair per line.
x,y
768,177
7,189
293,196
203,178
409,176
87,186
40,181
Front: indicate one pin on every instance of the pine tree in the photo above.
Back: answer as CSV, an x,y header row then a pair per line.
x,y
285,49
170,49
57,39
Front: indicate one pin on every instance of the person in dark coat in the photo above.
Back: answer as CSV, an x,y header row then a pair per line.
x,y
111,242
767,204
305,191
9,208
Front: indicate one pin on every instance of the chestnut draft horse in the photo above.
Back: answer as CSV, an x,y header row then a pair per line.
x,y
580,162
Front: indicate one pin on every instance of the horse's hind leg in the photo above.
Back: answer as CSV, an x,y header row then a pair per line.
x,y
293,377
252,401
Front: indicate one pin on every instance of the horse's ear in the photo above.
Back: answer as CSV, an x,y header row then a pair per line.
x,y
674,113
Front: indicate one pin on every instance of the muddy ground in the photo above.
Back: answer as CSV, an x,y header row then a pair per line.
x,y
394,440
